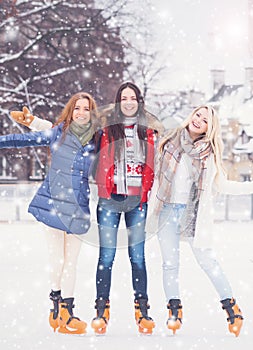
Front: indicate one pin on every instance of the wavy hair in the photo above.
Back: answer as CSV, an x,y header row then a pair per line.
x,y
67,112
213,134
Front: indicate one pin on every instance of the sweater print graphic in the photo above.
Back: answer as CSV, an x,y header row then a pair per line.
x,y
134,167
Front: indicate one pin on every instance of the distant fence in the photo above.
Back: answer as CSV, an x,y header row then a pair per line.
x,y
14,201
231,207
15,198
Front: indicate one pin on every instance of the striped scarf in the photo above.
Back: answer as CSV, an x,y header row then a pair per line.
x,y
198,150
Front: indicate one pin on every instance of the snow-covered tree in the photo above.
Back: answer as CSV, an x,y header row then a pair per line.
x,y
50,50
143,53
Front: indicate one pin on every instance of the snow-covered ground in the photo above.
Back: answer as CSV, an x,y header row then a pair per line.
x,y
24,290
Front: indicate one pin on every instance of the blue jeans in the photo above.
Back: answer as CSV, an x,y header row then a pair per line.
x,y
108,216
169,237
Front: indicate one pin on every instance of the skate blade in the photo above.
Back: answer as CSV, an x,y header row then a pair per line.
x,y
67,330
235,328
100,331
174,325
99,326
53,323
146,326
55,328
145,331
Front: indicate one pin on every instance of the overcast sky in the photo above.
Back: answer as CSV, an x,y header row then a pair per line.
x,y
198,35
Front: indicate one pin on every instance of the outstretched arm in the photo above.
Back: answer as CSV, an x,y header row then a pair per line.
x,y
31,121
43,138
234,187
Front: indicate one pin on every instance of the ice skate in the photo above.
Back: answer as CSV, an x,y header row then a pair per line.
x,y
55,296
69,324
100,322
144,322
175,315
235,319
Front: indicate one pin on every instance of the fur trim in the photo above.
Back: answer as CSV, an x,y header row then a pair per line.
x,y
154,123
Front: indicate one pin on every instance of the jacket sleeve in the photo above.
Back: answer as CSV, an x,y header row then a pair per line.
x,y
234,187
39,124
105,167
148,170
27,140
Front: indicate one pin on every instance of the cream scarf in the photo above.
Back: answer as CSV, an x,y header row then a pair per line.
x,y
121,163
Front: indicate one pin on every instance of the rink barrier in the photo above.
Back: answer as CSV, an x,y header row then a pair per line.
x,y
15,198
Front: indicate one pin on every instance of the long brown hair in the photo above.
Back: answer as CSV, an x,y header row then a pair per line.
x,y
116,130
67,112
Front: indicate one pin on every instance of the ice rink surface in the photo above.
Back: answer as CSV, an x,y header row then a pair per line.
x,y
24,290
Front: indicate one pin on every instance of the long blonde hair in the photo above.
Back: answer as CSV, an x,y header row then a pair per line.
x,y
213,134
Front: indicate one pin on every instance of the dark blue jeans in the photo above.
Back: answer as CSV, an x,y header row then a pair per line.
x,y
108,216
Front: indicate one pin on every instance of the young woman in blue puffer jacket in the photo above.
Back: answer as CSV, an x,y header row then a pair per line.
x,y
62,201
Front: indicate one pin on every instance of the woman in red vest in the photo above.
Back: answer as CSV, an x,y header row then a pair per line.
x,y
125,173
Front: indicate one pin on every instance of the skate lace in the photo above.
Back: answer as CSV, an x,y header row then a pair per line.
x,y
228,307
55,296
175,306
100,306
70,310
143,307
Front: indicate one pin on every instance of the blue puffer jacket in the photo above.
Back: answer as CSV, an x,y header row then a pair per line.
x,y
62,201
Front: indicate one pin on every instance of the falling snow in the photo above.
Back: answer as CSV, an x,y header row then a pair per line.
x,y
25,287
202,36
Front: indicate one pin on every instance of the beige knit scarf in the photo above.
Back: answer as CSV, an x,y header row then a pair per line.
x,y
199,151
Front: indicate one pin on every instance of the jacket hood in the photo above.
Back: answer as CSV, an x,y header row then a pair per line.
x,y
105,112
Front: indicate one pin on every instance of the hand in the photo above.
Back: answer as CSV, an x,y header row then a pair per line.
x,y
24,117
